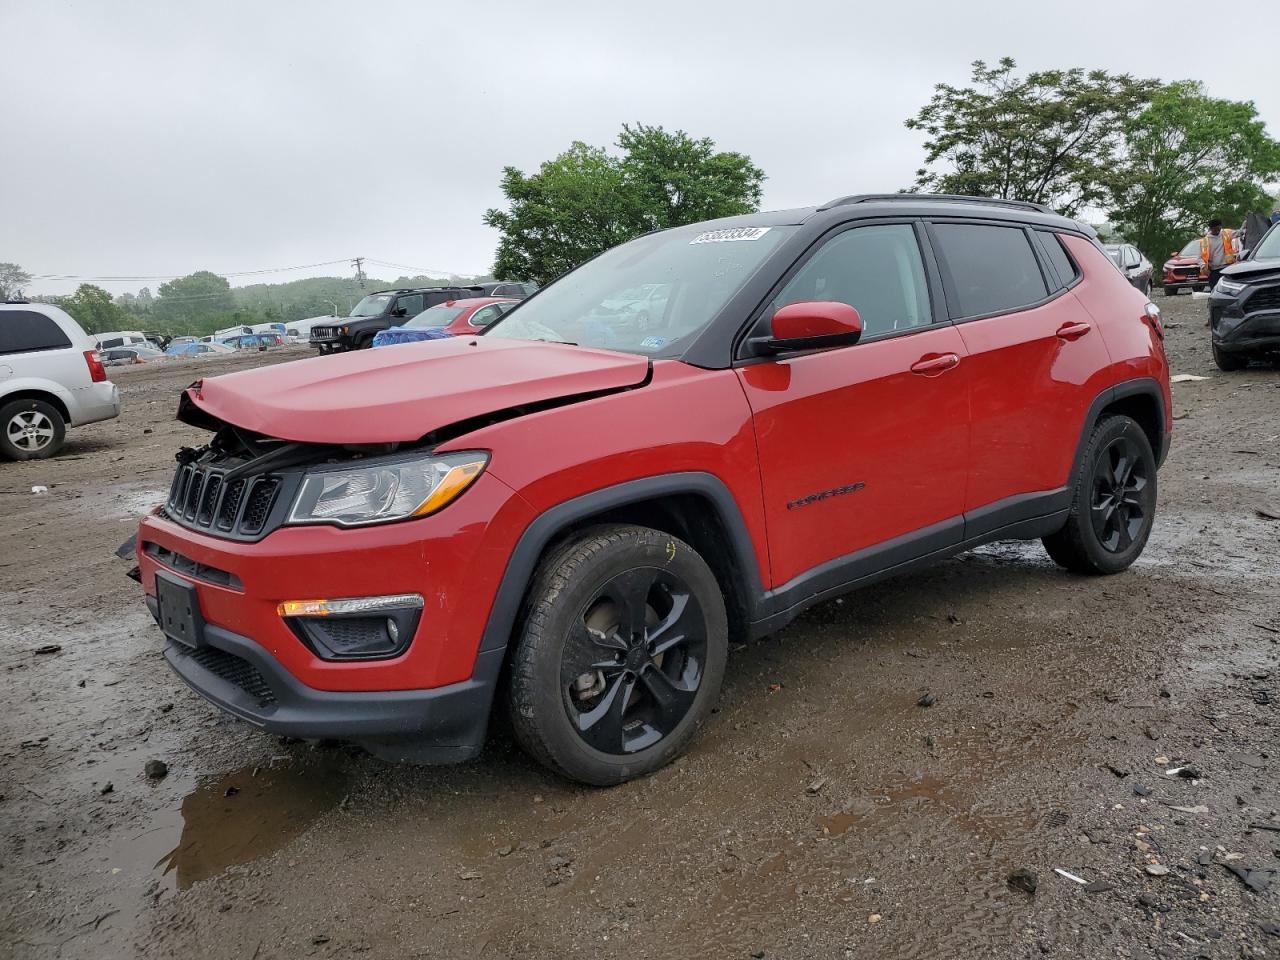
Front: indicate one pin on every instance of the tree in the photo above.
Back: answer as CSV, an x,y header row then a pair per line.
x,y
1188,159
12,279
586,200
193,302
1051,137
93,308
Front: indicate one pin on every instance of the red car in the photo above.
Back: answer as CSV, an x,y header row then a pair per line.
x,y
451,318
1182,270
590,499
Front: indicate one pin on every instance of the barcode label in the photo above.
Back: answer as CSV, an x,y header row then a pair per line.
x,y
733,233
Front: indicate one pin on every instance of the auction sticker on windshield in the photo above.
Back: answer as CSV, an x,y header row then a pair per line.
x,y
733,233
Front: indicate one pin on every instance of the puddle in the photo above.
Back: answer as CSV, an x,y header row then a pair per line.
x,y
241,816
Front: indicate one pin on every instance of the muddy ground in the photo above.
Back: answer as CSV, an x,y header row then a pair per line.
x,y
823,814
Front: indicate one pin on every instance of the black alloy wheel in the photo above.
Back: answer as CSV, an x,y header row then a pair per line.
x,y
634,660
1118,510
620,654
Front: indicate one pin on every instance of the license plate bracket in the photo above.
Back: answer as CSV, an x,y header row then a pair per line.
x,y
180,616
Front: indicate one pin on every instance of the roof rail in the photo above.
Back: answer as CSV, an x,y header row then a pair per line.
x,y
932,197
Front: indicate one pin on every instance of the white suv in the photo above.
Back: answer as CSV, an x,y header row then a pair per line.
x,y
50,378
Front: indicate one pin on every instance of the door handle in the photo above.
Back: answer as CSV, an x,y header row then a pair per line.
x,y
1073,331
933,365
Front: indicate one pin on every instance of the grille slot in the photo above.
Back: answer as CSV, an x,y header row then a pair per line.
x,y
193,568
235,670
1268,298
258,504
230,504
209,499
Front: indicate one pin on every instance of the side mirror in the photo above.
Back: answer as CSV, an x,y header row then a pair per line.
x,y
811,325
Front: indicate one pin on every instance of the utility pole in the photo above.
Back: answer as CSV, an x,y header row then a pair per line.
x,y
358,262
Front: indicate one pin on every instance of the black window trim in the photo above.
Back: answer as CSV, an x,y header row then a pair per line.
x,y
948,283
933,283
1057,238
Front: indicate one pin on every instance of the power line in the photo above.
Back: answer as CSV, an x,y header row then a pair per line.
x,y
175,276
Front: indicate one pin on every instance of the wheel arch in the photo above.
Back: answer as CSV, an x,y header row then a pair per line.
x,y
35,393
1141,400
696,507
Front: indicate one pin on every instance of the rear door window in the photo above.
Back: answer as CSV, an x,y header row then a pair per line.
x,y
991,268
410,306
26,331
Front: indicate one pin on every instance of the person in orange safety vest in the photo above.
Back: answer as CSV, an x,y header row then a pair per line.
x,y
1217,250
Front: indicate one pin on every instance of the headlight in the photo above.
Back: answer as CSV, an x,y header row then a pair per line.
x,y
384,491
1228,287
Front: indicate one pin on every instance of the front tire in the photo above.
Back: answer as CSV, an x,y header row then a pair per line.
x,y
31,430
1228,362
621,654
1113,504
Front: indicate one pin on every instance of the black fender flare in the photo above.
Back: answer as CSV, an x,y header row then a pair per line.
x,y
544,528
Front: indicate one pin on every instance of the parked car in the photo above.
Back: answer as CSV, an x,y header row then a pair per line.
x,y
120,338
254,341
378,312
1244,307
831,396
198,349
120,356
300,330
449,319
517,290
51,378
1135,267
1182,270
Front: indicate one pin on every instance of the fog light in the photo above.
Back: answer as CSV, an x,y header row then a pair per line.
x,y
359,628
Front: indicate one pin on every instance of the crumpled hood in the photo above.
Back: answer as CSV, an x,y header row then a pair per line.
x,y
390,396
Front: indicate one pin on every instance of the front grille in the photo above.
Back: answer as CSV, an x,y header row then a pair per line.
x,y
237,671
1267,298
322,333
201,497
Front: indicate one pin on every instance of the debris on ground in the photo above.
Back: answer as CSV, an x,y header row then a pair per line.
x,y
1186,378
816,786
1268,513
928,700
1071,876
1141,790
155,769
1024,879
47,649
39,488
1098,886
1256,880
1157,869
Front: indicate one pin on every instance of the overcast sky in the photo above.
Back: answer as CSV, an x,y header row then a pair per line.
x,y
152,138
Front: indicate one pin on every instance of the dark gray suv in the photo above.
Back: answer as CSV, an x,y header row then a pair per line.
x,y
1244,307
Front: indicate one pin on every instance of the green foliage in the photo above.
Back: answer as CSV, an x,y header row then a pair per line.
x,y
1190,158
586,200
12,279
193,303
1051,137
93,308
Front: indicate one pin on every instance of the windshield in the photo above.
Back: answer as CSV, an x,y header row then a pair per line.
x,y
372,305
437,316
1192,249
649,296
1268,246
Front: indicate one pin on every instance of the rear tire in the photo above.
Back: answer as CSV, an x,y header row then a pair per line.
x,y
31,430
620,657
1228,362
1169,291
1113,504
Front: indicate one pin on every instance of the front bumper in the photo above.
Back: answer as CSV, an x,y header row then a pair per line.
x,y
429,703
442,725
1234,331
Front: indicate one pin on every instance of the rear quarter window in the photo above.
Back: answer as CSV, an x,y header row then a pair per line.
x,y
25,331
1058,257
992,269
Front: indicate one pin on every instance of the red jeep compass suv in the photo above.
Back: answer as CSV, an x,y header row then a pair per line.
x,y
573,512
